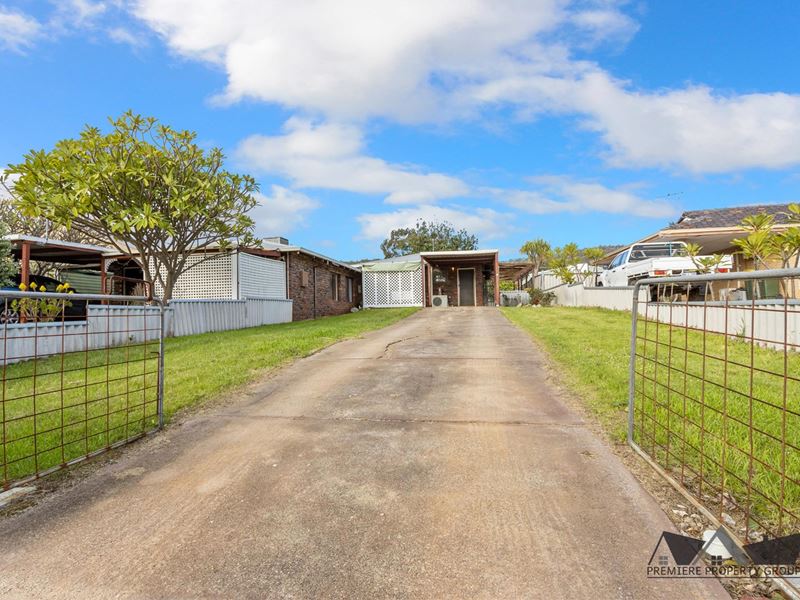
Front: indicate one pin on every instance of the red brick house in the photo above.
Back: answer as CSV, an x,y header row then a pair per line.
x,y
447,278
318,286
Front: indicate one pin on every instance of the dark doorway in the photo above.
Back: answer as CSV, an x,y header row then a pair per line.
x,y
466,287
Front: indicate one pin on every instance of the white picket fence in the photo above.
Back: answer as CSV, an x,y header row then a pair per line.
x,y
109,326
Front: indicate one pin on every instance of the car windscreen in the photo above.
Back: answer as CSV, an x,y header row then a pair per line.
x,y
656,251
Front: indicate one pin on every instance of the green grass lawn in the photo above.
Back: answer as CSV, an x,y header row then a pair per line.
x,y
692,414
52,413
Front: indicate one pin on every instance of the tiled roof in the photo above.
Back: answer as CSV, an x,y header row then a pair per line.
x,y
727,217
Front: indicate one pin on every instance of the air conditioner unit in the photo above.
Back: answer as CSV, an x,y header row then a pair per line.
x,y
439,301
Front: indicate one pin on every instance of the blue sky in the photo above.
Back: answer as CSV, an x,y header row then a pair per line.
x,y
592,121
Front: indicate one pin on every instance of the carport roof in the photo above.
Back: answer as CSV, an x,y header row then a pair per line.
x,y
50,250
453,256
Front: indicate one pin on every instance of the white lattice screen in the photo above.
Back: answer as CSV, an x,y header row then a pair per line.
x,y
212,278
392,288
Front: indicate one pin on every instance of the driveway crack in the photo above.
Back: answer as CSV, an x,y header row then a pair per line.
x,y
390,344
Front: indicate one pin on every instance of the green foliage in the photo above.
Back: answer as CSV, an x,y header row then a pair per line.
x,y
593,255
427,237
42,309
8,267
507,286
541,297
538,252
144,188
763,242
563,263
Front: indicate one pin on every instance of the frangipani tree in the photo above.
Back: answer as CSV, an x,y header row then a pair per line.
x,y
563,263
593,257
537,251
8,267
143,188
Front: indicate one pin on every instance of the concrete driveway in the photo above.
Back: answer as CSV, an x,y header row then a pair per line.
x,y
431,459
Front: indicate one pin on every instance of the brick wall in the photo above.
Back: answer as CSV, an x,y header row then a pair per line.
x,y
301,269
450,287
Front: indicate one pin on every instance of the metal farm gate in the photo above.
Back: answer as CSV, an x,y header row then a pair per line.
x,y
79,374
715,394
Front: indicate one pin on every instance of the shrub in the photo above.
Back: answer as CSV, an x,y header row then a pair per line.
x,y
541,297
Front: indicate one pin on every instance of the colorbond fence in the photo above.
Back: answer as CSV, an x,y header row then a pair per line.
x,y
117,324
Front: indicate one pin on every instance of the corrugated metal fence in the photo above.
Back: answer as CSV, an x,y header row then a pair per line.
x,y
116,325
737,318
190,317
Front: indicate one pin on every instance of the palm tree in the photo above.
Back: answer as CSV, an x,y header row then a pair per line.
x,y
537,251
593,256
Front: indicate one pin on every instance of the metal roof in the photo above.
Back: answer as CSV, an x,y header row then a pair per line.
x,y
289,248
50,250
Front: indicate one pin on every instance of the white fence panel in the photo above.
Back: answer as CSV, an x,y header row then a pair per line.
x,y
616,298
740,320
767,323
109,326
191,317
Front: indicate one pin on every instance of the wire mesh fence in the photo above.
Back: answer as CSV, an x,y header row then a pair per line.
x,y
79,375
715,393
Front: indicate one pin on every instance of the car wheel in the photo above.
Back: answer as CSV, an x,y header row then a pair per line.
x,y
9,317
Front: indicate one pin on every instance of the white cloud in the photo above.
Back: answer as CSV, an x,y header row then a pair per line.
x,y
420,61
693,128
282,211
18,31
486,223
330,156
122,35
556,194
351,59
79,12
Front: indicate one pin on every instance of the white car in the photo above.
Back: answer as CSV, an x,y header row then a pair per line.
x,y
654,259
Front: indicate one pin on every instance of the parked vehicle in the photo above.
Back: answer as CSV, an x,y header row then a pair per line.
x,y
75,311
658,259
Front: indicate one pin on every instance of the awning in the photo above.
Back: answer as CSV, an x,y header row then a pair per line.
x,y
391,267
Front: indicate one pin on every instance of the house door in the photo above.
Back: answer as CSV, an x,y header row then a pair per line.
x,y
466,287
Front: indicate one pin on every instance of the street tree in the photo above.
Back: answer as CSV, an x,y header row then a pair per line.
x,y
144,188
427,236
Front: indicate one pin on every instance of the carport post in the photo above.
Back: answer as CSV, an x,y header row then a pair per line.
x,y
25,272
424,281
103,277
497,279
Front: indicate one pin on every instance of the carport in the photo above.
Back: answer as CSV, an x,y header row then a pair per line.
x,y
463,277
26,248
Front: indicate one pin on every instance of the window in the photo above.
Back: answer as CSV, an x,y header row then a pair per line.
x,y
350,289
643,251
335,279
304,279
620,260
